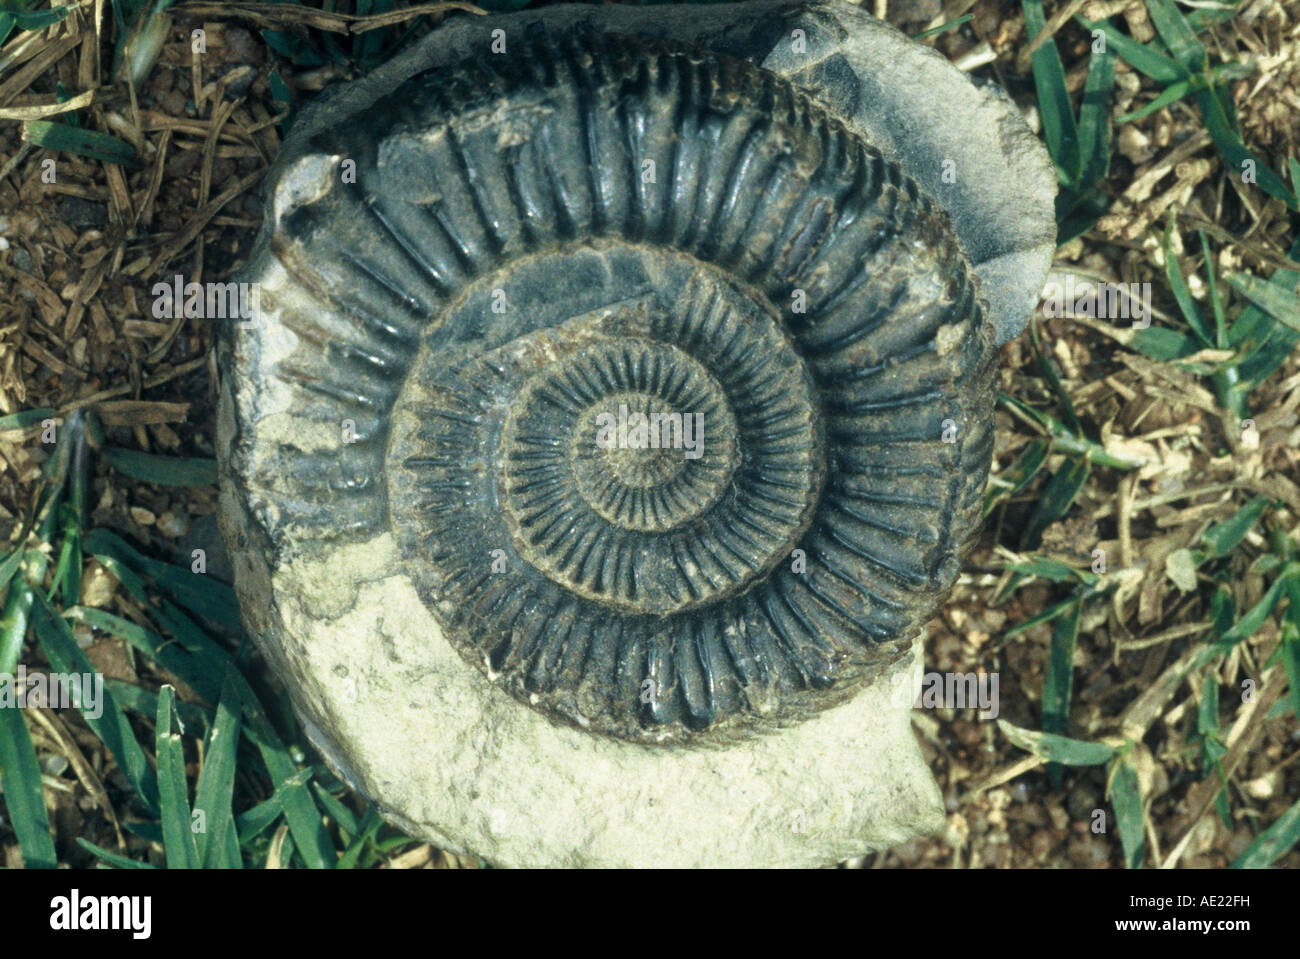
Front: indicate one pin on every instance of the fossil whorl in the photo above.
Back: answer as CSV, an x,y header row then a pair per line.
x,y
504,256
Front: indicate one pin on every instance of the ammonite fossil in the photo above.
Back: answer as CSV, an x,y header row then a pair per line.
x,y
674,392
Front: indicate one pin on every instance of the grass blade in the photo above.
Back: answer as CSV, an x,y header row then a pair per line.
x,y
1140,57
1236,157
201,594
304,819
178,837
1252,620
1058,495
1051,569
1186,303
1212,748
171,656
1216,301
1178,35
1065,441
1170,94
1206,17
1291,661
1126,800
18,607
1017,476
1060,679
1094,116
1054,383
1045,616
1290,647
943,28
252,823
111,858
1222,538
1059,128
217,781
87,143
38,19
1163,345
1059,749
301,812
1273,843
1277,301
280,93
1255,617
25,419
161,470
335,809
144,702
1263,342
369,826
106,719
21,775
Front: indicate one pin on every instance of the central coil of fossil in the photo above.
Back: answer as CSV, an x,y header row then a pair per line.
x,y
654,455
650,357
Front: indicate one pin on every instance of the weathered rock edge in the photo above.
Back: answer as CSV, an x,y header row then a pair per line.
x,y
903,97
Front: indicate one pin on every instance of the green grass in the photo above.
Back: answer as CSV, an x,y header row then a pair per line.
x,y
1258,330
217,826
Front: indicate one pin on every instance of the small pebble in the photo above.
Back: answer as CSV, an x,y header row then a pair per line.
x,y
173,525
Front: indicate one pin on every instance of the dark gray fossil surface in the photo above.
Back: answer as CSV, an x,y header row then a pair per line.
x,y
596,227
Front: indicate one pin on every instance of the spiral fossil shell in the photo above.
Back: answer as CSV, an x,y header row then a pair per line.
x,y
595,228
